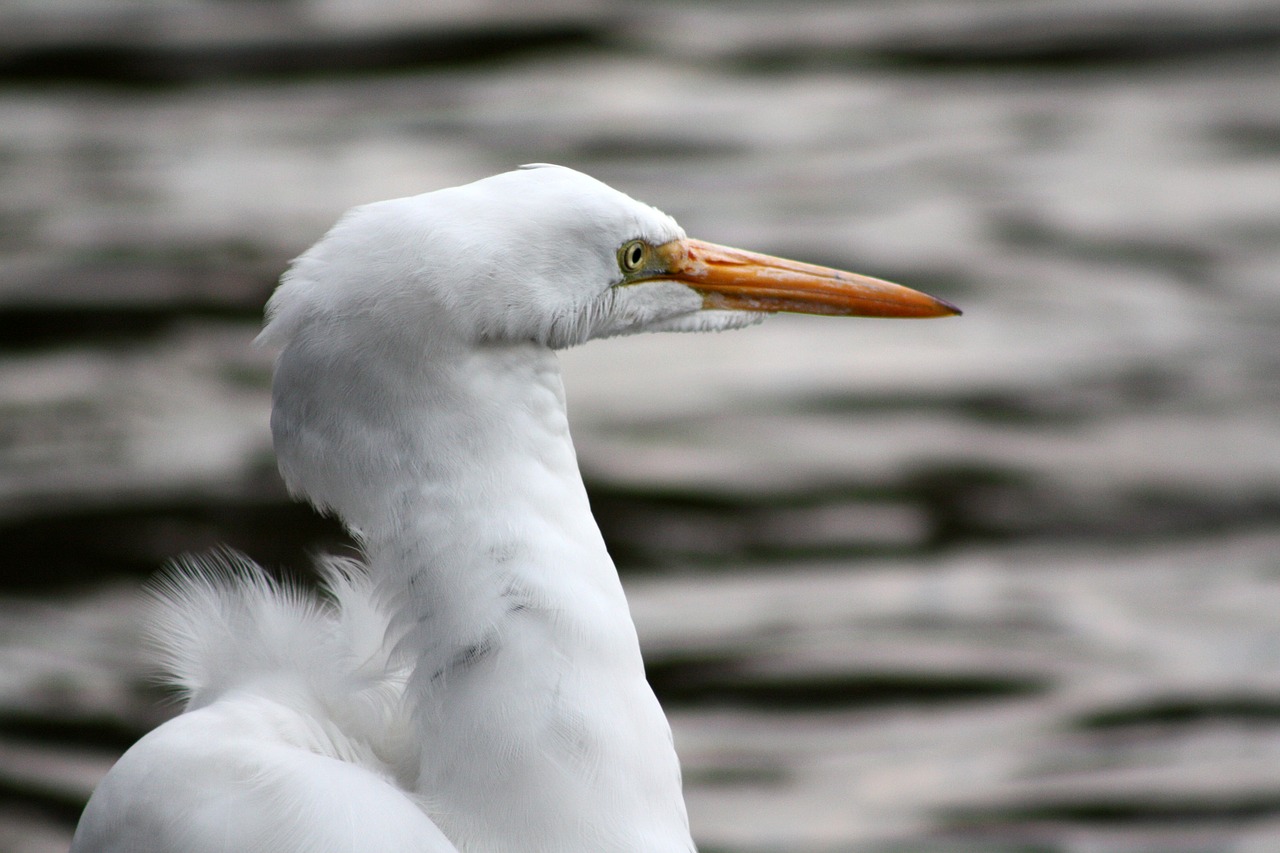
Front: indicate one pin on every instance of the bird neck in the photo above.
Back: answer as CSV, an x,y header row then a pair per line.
x,y
535,726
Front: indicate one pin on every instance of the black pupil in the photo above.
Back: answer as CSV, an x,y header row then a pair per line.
x,y
634,254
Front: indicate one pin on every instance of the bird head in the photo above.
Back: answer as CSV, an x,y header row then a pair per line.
x,y
414,310
549,255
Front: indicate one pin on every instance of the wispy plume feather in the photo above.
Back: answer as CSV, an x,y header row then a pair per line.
x,y
219,623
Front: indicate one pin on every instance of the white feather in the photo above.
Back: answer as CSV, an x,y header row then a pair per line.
x,y
219,623
295,736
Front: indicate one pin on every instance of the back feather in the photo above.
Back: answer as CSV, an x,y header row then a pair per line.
x,y
219,624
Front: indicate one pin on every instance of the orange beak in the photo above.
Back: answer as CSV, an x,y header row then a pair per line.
x,y
731,279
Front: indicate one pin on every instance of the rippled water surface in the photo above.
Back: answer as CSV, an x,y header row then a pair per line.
x,y
1009,582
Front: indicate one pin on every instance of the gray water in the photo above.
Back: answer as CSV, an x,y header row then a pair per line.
x,y
1009,582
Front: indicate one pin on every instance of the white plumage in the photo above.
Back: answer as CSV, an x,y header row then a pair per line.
x,y
478,686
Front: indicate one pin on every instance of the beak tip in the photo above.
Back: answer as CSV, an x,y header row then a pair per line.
x,y
948,308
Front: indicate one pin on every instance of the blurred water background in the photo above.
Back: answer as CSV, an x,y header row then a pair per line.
x,y
1009,582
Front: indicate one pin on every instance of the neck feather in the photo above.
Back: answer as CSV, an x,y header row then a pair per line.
x,y
536,727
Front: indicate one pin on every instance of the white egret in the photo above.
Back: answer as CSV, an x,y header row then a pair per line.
x,y
479,686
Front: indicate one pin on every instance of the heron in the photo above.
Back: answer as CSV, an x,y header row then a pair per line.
x,y
474,682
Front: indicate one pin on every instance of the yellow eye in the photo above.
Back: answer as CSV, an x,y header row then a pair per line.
x,y
632,255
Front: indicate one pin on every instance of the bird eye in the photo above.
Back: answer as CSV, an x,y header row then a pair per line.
x,y
631,256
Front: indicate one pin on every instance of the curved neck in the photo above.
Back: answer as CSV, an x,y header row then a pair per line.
x,y
535,725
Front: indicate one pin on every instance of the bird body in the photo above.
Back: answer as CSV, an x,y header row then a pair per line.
x,y
479,686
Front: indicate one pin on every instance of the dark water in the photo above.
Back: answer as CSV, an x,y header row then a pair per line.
x,y
1003,583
